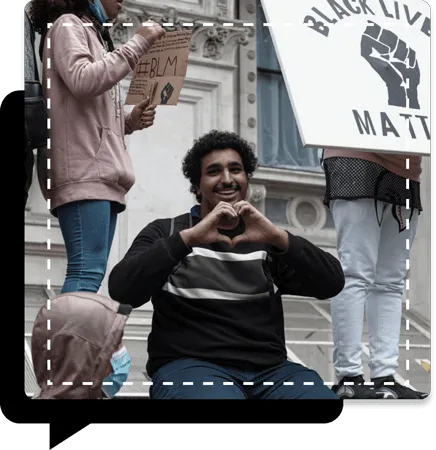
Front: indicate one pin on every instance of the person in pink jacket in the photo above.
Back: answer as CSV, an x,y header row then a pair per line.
x,y
375,202
90,168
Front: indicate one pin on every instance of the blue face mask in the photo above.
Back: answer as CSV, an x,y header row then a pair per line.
x,y
120,363
97,8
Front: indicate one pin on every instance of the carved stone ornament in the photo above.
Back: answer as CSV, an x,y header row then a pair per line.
x,y
251,55
136,14
251,8
222,8
171,16
306,213
217,42
214,42
256,193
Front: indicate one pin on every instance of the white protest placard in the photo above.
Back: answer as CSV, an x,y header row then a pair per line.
x,y
161,71
357,71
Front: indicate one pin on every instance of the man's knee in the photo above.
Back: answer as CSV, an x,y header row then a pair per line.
x,y
217,390
307,384
319,392
194,379
314,387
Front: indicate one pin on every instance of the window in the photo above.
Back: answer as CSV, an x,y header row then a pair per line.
x,y
279,140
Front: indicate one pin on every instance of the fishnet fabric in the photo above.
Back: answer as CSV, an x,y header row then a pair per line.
x,y
353,178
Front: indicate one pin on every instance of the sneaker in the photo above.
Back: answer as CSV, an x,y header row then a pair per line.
x,y
389,388
354,387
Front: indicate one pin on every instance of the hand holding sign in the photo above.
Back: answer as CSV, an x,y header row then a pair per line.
x,y
395,62
143,114
147,116
151,33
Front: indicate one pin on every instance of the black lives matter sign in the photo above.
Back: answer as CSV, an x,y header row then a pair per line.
x,y
389,54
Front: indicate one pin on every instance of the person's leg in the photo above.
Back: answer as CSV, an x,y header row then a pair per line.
x,y
112,227
384,298
85,228
290,380
358,235
194,379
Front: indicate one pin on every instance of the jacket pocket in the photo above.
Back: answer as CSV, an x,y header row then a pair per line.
x,y
114,163
79,153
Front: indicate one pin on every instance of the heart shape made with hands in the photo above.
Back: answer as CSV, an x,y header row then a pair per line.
x,y
226,223
257,228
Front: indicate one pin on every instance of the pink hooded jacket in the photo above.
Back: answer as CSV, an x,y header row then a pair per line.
x,y
88,155
77,333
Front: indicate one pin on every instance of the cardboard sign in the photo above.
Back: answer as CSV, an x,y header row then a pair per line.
x,y
357,71
160,73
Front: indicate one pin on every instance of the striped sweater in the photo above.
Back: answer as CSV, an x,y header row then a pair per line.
x,y
215,303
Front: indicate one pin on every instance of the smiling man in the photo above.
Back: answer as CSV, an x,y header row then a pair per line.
x,y
215,276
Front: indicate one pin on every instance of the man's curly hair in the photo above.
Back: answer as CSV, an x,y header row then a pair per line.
x,y
215,140
43,12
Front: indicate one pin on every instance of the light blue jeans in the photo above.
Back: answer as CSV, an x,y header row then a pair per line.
x,y
373,259
88,229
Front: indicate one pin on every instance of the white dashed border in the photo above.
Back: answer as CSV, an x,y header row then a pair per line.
x,y
407,270
205,383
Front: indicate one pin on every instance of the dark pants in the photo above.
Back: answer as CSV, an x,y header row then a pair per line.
x,y
195,379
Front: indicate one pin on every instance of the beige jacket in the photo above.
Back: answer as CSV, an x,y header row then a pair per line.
x,y
78,333
88,155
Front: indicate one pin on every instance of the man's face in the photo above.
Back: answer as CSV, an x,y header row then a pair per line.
x,y
223,179
112,7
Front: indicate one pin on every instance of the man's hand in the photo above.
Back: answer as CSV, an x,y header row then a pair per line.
x,y
143,114
258,228
206,231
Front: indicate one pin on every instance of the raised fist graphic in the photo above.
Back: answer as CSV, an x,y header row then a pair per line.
x,y
166,93
395,62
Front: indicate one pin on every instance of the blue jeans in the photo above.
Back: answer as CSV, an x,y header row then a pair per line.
x,y
189,375
88,229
